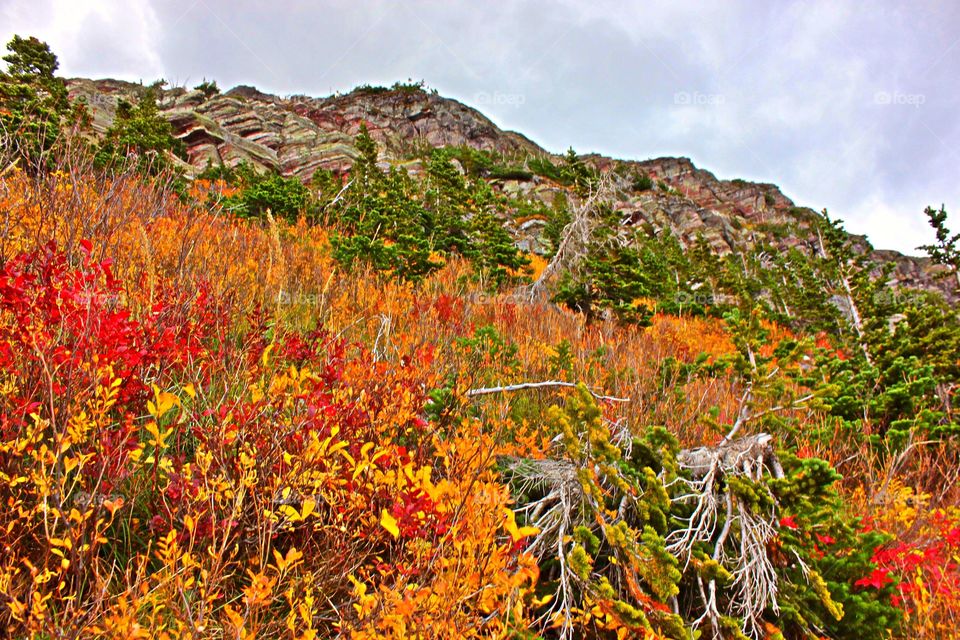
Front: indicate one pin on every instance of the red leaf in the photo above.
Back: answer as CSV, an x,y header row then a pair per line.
x,y
878,579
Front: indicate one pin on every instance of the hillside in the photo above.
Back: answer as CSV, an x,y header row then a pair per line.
x,y
367,367
297,135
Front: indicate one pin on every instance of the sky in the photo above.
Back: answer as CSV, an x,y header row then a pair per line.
x,y
846,106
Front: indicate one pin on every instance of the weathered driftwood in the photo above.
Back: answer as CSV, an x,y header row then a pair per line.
x,y
718,517
575,239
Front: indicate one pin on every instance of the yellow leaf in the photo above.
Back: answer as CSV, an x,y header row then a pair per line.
x,y
113,505
290,513
69,464
343,452
337,447
159,440
190,390
308,506
365,449
164,402
517,533
235,619
539,602
389,523
61,542
292,558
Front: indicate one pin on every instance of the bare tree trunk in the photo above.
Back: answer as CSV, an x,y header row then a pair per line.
x,y
848,294
575,239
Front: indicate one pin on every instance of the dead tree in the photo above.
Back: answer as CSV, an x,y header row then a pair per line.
x,y
739,534
575,239
718,516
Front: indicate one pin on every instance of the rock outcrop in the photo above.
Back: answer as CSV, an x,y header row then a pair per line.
x,y
297,135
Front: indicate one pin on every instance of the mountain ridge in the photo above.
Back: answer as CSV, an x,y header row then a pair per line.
x,y
297,135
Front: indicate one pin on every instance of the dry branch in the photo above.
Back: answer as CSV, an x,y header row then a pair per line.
x,y
738,533
537,385
730,456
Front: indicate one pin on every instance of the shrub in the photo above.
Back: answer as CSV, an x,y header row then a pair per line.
x,y
642,182
141,132
209,88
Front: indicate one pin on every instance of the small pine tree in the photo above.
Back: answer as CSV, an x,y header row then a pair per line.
x,y
557,220
946,250
208,88
449,203
33,101
381,221
577,172
611,278
141,132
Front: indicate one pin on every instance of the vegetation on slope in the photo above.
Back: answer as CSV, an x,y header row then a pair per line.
x,y
252,408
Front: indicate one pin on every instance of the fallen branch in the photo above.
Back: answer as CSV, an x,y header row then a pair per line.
x,y
557,503
538,385
9,167
338,197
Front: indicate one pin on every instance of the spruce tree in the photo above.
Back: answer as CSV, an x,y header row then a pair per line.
x,y
946,250
33,101
141,132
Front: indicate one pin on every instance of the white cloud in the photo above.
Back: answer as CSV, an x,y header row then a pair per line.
x,y
796,82
91,37
890,224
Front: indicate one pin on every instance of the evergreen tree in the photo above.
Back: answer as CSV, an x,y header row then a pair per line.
x,y
399,225
800,294
705,271
557,220
946,250
577,173
849,276
610,278
33,101
381,220
141,132
491,248
449,203
892,377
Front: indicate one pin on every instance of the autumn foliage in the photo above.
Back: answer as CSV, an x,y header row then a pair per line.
x,y
208,428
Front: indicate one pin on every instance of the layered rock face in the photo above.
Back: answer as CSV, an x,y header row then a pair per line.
x,y
297,135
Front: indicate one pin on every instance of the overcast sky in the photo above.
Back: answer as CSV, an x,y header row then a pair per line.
x,y
852,107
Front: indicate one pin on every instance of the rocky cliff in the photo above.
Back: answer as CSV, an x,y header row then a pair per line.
x,y
297,135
